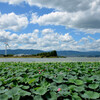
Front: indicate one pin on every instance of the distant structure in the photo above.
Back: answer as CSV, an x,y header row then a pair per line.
x,y
6,45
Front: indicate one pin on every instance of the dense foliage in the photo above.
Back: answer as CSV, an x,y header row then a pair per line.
x,y
48,54
50,81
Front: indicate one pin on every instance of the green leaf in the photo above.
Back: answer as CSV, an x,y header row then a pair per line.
x,y
78,82
59,79
93,86
2,79
3,97
42,91
79,89
53,95
2,88
3,91
39,91
25,87
63,86
75,97
16,97
91,95
72,87
38,97
12,92
31,81
53,88
0,83
71,80
64,93
24,93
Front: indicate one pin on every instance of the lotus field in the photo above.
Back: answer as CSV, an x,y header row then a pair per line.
x,y
50,81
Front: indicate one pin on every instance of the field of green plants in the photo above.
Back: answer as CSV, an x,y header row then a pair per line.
x,y
50,81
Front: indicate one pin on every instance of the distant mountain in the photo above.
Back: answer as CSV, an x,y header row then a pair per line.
x,y
21,51
60,53
79,54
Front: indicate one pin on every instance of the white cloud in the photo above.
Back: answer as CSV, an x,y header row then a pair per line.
x,y
29,38
66,37
14,22
51,41
78,14
63,5
82,15
4,36
47,31
75,5
16,2
88,22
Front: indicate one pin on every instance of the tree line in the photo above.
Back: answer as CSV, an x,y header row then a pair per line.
x,y
48,54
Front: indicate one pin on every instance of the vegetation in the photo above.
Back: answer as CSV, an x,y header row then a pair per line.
x,y
9,55
40,55
67,53
48,54
50,81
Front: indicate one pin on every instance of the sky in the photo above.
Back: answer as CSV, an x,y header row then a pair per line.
x,y
50,24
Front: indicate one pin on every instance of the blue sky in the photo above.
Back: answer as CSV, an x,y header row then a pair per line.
x,y
50,25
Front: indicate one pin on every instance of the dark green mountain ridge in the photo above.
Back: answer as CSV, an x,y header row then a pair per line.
x,y
60,53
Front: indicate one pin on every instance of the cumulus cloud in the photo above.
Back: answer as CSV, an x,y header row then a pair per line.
x,y
16,2
4,36
14,22
61,5
66,37
83,15
78,14
64,5
29,38
49,40
47,31
33,40
84,21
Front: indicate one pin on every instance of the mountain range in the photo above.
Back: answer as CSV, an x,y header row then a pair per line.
x,y
59,53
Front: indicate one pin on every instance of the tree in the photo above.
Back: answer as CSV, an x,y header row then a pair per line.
x,y
48,54
53,53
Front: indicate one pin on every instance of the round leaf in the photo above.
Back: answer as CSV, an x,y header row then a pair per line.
x,y
93,86
91,95
78,82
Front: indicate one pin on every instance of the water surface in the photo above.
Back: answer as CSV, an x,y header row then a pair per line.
x,y
68,59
